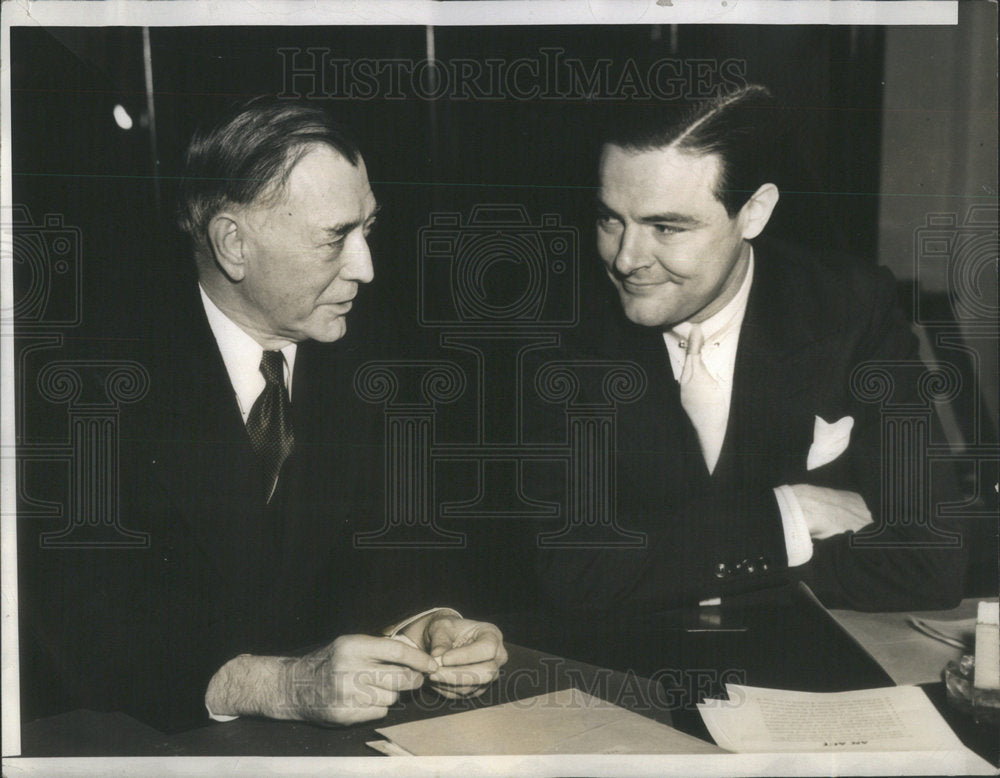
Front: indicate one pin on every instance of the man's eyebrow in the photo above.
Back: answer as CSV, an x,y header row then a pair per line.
x,y
654,218
345,227
670,217
605,209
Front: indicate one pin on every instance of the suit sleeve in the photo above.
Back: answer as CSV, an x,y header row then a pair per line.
x,y
694,554
89,656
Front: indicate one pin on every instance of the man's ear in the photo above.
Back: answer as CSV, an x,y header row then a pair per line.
x,y
756,211
225,235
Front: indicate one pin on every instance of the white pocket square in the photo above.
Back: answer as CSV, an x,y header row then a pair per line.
x,y
829,441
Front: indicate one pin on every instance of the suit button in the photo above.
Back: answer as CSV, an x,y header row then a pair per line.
x,y
750,568
721,570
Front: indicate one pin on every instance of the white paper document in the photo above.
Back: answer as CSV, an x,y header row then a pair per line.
x,y
563,722
897,718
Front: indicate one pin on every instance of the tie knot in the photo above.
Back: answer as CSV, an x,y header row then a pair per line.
x,y
272,367
695,341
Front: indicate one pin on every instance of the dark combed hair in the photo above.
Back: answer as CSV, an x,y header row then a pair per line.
x,y
740,128
247,155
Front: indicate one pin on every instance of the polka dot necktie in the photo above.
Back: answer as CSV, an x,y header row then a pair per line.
x,y
270,421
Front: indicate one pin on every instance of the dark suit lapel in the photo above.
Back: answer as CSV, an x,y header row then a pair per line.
x,y
201,453
320,478
658,435
305,514
778,347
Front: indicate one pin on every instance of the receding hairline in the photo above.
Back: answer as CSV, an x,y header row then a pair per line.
x,y
274,189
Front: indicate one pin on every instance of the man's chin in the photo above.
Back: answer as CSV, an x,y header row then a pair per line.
x,y
645,315
335,330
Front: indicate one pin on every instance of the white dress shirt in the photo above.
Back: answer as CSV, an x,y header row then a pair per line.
x,y
242,355
722,334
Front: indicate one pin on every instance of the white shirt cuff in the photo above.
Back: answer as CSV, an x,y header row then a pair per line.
x,y
393,632
217,717
798,544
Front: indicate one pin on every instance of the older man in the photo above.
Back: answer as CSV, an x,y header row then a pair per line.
x,y
244,466
750,458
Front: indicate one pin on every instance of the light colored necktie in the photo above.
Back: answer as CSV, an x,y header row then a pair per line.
x,y
703,399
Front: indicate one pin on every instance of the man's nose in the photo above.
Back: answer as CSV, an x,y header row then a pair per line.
x,y
630,256
358,261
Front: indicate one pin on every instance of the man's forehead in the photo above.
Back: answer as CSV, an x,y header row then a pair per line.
x,y
658,171
324,174
302,166
320,158
617,159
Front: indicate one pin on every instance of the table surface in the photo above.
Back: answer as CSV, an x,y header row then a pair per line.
x,y
526,674
659,666
908,656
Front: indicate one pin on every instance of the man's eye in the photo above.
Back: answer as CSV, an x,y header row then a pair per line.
x,y
666,229
606,222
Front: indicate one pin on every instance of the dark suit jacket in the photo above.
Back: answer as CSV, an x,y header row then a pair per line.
x,y
143,630
810,321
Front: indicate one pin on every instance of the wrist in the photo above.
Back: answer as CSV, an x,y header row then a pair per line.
x,y
250,685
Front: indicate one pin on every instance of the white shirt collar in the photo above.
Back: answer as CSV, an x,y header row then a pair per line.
x,y
241,355
721,331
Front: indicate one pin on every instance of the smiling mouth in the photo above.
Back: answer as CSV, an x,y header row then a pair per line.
x,y
641,286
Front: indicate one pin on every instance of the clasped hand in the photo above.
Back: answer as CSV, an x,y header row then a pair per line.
x,y
357,677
